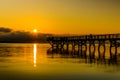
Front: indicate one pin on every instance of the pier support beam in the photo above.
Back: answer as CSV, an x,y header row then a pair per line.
x,y
92,52
101,44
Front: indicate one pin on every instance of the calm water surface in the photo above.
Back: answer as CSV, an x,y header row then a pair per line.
x,y
31,62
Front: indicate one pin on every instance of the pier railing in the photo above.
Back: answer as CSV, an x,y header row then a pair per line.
x,y
85,37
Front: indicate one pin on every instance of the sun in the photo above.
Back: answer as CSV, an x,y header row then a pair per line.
x,y
35,30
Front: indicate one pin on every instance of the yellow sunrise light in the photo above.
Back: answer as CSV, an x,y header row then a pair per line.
x,y
35,30
35,54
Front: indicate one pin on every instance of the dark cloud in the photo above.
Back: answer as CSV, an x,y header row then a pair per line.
x,y
5,30
9,36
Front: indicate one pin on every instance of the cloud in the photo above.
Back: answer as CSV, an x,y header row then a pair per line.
x,y
5,30
9,36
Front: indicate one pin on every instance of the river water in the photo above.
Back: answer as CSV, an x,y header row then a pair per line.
x,y
31,62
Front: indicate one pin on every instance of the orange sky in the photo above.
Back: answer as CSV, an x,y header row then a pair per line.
x,y
61,16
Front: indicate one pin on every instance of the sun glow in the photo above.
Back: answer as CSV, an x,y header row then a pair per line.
x,y
35,30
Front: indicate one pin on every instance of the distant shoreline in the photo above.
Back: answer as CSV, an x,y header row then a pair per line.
x,y
24,42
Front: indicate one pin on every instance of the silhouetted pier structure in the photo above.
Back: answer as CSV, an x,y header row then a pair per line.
x,y
75,57
84,43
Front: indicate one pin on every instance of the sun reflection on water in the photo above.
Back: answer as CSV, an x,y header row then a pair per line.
x,y
35,54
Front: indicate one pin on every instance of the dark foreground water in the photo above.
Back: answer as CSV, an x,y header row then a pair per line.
x,y
31,62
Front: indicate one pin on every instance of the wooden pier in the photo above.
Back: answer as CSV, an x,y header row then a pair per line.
x,y
75,57
91,43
